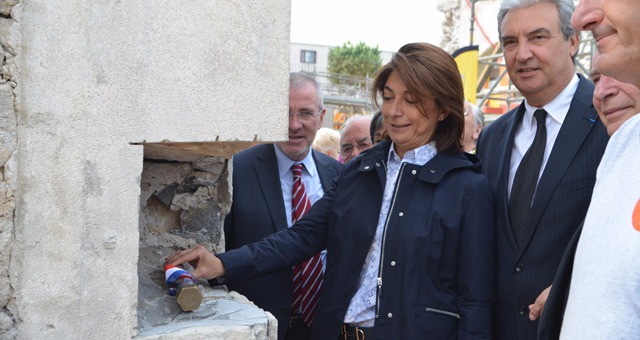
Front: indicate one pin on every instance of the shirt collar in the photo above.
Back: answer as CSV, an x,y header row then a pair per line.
x,y
285,163
418,156
557,108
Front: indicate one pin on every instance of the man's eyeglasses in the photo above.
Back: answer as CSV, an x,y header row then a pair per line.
x,y
305,115
347,149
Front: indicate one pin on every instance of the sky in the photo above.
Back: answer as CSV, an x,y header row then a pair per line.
x,y
387,24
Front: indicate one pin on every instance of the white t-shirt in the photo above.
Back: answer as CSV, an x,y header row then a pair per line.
x,y
604,295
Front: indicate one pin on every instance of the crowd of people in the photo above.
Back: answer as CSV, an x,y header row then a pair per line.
x,y
425,224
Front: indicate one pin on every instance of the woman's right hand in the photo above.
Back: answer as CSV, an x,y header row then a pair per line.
x,y
206,265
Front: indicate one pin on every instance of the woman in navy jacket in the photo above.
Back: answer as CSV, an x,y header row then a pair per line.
x,y
408,225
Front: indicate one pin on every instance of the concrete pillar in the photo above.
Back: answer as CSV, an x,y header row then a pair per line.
x,y
91,78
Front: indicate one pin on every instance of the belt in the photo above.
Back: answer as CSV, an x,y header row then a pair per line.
x,y
296,321
348,332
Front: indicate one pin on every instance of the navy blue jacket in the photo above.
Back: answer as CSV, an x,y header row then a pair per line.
x,y
258,211
437,264
562,198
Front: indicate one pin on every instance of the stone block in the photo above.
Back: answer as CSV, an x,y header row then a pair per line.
x,y
222,315
8,123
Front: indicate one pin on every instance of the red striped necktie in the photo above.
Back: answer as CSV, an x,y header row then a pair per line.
x,y
307,276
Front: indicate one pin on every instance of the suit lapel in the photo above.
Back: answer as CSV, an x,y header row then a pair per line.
x,y
580,119
266,170
322,166
507,136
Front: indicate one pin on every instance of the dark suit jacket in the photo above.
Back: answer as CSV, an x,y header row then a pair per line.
x,y
258,211
561,202
553,313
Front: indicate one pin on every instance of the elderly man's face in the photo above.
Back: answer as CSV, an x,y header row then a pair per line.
x,y
615,27
355,139
305,118
616,102
471,130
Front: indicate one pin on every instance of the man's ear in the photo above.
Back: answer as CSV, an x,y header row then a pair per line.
x,y
324,110
476,132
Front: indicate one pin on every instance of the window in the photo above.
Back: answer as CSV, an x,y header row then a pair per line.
x,y
308,57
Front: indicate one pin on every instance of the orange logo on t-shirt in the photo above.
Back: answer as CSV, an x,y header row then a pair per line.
x,y
635,217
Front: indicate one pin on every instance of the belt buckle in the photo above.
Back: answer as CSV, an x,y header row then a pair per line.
x,y
358,332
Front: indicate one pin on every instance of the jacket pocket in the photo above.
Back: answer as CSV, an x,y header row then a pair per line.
x,y
569,187
443,312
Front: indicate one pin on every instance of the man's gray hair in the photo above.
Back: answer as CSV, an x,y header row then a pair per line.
x,y
565,9
299,79
355,118
478,115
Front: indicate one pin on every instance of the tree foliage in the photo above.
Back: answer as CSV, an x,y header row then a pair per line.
x,y
353,60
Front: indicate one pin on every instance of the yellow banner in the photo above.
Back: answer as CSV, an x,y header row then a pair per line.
x,y
467,60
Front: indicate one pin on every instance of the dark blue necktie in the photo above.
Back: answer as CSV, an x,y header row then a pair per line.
x,y
526,179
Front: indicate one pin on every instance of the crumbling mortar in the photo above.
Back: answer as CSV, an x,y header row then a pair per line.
x,y
8,329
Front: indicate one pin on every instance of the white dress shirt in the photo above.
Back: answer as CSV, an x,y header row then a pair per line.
x,y
557,110
310,179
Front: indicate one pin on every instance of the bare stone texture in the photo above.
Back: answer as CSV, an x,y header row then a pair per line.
x,y
92,78
158,218
212,165
180,205
450,24
184,201
221,315
8,124
456,25
6,325
10,173
7,206
10,38
7,5
156,176
8,146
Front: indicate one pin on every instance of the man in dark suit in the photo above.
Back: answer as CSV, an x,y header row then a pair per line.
x,y
541,170
262,190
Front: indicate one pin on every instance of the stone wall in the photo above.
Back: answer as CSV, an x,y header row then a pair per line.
x,y
88,88
7,200
181,203
456,24
8,160
450,24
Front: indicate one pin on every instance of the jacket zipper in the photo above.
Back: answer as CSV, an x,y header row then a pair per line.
x,y
384,236
439,311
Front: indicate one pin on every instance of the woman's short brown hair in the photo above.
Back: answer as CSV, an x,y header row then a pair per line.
x,y
429,72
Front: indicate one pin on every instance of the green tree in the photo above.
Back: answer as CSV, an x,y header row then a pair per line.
x,y
350,64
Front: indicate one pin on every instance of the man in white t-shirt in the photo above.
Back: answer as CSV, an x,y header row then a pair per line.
x,y
603,299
